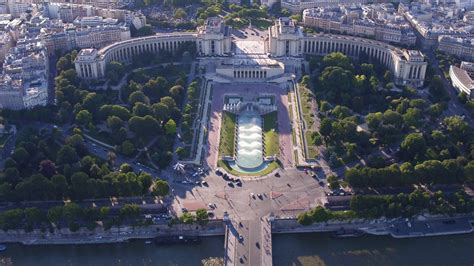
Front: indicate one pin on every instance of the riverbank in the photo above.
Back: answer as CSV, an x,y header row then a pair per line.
x,y
396,228
421,226
115,235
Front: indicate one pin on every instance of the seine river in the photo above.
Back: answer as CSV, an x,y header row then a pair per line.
x,y
294,249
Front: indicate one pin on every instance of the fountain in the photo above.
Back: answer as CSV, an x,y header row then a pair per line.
x,y
249,140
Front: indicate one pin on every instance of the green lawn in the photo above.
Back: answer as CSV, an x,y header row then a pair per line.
x,y
270,131
270,168
226,145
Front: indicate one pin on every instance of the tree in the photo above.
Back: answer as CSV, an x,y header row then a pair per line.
x,y
79,185
176,91
338,59
180,13
129,211
21,156
161,111
160,188
120,112
72,212
141,109
457,127
84,117
144,126
55,214
12,175
341,112
181,152
60,186
187,218
333,182
138,96
374,120
115,71
34,216
413,145
62,64
201,216
47,168
126,168
170,127
168,101
127,148
114,123
325,127
92,102
336,83
66,155
11,219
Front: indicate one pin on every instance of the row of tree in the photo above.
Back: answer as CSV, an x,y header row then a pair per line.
x,y
393,206
70,215
450,171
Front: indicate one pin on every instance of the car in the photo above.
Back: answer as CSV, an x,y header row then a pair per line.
x,y
210,214
277,174
184,210
314,176
241,238
252,195
239,183
230,184
321,183
218,172
260,196
257,245
211,205
204,183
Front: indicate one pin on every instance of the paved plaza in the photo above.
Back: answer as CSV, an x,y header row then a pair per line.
x,y
249,91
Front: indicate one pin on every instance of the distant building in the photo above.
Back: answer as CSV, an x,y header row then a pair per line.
x,y
5,44
85,37
24,81
432,21
287,40
297,6
461,47
372,21
214,37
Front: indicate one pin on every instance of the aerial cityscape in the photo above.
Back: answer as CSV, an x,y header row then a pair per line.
x,y
235,132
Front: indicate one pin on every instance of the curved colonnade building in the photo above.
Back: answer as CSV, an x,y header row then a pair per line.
x,y
284,40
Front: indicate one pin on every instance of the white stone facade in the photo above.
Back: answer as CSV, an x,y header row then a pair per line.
x,y
461,47
285,41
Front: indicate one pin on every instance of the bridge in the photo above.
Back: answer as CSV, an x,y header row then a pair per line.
x,y
248,242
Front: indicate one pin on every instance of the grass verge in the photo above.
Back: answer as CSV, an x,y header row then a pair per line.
x,y
226,144
270,168
270,131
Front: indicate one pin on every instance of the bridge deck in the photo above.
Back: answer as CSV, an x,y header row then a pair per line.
x,y
255,246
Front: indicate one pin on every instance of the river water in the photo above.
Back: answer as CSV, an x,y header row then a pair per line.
x,y
290,249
